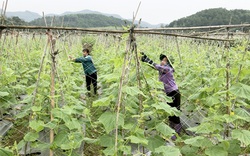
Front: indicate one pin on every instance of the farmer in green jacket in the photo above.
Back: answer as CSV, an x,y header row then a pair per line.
x,y
89,69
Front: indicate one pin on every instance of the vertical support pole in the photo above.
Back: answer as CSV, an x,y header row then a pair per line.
x,y
52,89
227,82
138,75
178,49
120,95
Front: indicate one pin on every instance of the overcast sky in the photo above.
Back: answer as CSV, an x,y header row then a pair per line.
x,y
152,11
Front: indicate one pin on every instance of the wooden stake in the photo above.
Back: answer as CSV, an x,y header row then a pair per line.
x,y
97,31
4,13
227,85
44,18
120,98
52,88
178,49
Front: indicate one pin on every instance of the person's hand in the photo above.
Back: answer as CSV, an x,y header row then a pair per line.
x,y
71,58
145,58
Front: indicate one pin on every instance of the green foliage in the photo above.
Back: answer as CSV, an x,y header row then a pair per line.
x,y
241,90
144,111
242,135
15,21
6,152
108,120
168,151
216,16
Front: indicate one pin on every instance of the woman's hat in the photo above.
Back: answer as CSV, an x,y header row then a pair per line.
x,y
162,56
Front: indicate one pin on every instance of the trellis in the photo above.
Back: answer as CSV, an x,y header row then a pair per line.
x,y
131,49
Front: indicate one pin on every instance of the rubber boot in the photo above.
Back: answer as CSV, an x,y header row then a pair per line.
x,y
177,128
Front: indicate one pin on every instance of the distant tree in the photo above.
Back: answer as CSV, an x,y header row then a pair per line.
x,y
15,21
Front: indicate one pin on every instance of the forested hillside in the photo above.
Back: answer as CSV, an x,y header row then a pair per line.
x,y
217,16
81,20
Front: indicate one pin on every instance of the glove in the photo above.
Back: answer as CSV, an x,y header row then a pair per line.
x,y
144,58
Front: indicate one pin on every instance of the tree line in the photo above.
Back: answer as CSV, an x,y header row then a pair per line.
x,y
216,16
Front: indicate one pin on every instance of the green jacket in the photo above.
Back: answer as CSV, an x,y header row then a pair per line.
x,y
87,64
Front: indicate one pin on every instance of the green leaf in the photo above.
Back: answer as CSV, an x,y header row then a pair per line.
x,y
216,151
234,148
31,136
168,151
61,138
67,141
137,140
6,152
58,113
50,125
242,135
107,140
206,127
89,140
240,90
36,108
225,145
2,94
168,109
126,149
68,110
230,118
133,91
109,151
242,113
164,129
212,100
189,150
37,125
102,102
199,141
21,144
108,120
73,124
155,142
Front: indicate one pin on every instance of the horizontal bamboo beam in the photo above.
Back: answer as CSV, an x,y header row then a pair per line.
x,y
193,28
61,28
137,31
180,35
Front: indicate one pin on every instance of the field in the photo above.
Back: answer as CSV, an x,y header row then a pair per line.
x,y
45,98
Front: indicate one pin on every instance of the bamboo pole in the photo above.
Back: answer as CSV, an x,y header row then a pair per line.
x,y
227,84
52,88
120,98
193,28
124,73
178,49
108,31
4,12
138,76
1,16
45,20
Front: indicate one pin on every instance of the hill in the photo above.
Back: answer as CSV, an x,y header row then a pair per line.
x,y
29,16
82,20
86,11
216,16
24,15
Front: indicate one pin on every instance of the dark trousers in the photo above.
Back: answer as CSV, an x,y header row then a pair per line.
x,y
91,79
176,96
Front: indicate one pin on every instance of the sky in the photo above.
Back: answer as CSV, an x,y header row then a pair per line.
x,y
152,11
